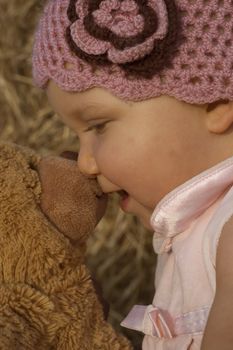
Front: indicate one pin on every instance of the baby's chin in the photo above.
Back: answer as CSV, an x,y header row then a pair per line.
x,y
146,223
143,214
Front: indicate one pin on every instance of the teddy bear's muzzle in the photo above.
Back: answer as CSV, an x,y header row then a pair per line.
x,y
71,201
102,198
101,206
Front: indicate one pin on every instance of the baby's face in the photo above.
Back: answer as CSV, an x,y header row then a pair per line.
x,y
141,148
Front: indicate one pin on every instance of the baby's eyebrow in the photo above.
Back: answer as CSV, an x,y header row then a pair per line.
x,y
91,107
97,108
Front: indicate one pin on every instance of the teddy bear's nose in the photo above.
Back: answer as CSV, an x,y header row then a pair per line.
x,y
69,155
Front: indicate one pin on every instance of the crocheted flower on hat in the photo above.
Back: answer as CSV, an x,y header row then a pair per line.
x,y
119,31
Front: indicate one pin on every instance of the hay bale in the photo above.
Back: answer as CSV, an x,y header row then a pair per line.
x,y
120,252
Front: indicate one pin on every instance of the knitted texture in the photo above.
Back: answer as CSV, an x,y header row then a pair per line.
x,y
138,49
47,298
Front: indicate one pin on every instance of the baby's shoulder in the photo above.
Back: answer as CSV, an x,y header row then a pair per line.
x,y
224,258
220,321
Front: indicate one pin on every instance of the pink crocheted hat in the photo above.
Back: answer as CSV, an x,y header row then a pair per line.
x,y
138,49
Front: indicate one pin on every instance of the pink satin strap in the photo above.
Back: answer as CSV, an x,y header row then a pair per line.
x,y
156,322
163,327
149,320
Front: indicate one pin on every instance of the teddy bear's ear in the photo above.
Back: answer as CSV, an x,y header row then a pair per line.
x,y
69,155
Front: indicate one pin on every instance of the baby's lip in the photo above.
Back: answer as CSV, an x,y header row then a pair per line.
x,y
95,187
123,193
120,192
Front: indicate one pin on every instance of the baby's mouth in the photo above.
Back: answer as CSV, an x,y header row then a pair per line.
x,y
124,199
123,194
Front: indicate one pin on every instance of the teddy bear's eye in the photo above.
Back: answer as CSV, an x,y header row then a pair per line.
x,y
32,166
61,266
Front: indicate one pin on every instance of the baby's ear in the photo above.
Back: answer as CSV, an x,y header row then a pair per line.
x,y
219,116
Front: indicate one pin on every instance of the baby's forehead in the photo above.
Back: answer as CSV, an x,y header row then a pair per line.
x,y
94,96
68,102
100,101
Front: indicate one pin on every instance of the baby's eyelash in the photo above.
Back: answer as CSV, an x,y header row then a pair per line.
x,y
97,127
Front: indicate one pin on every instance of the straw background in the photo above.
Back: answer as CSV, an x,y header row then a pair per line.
x,y
120,253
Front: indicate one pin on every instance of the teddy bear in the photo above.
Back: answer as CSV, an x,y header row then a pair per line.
x,y
47,296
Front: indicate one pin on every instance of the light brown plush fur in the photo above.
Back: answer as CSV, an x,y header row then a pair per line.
x,y
47,298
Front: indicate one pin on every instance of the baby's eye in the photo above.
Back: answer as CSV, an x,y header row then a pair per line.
x,y
99,128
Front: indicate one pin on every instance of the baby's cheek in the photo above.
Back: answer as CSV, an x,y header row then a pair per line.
x,y
110,159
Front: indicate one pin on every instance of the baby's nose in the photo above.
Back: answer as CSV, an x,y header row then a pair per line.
x,y
87,164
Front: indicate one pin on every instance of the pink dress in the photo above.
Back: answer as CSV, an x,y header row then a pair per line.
x,y
187,224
